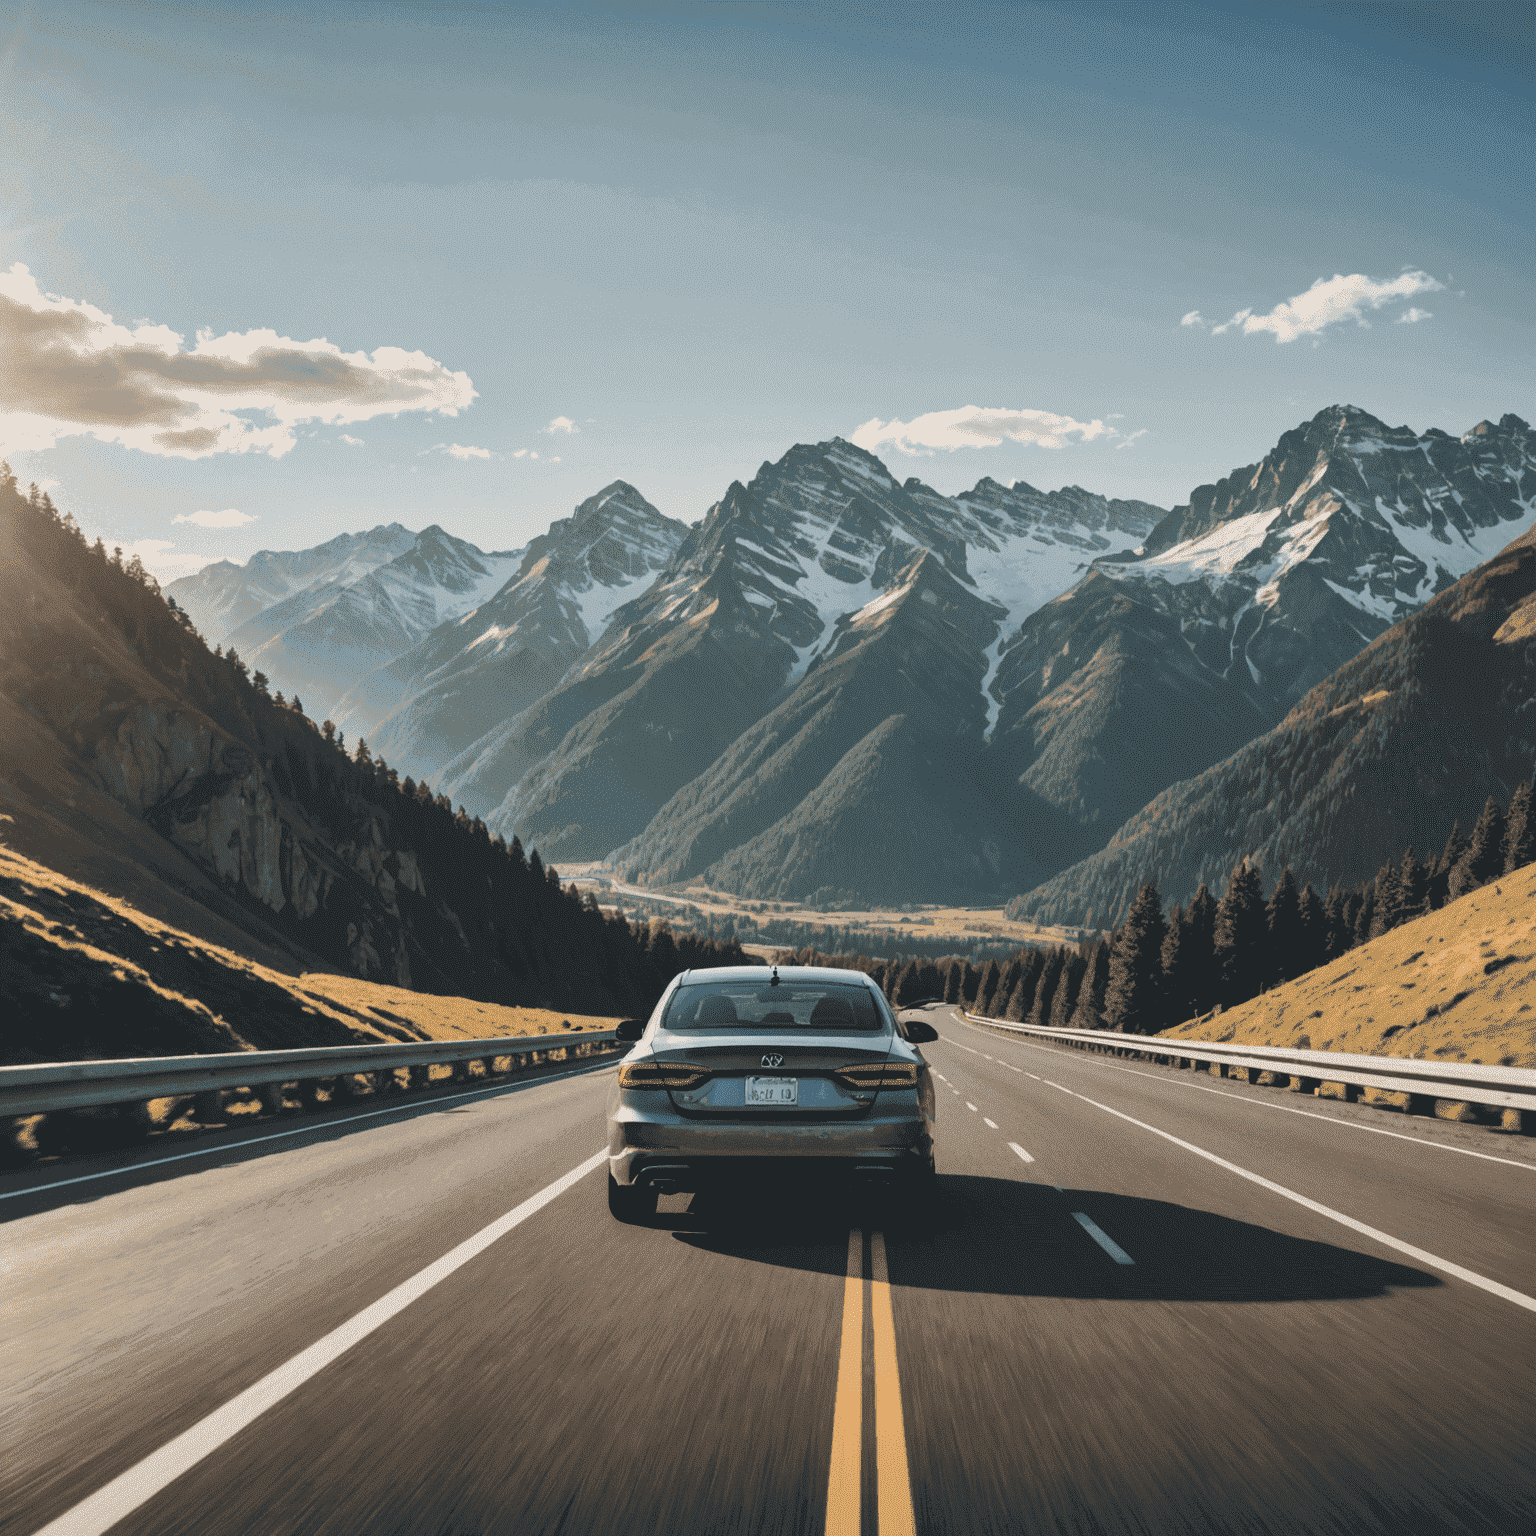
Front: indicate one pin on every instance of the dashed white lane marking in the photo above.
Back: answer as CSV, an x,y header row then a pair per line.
x,y
970,1106
1493,1287
1049,1084
1011,1067
992,1123
125,1493
985,1057
1243,1099
1102,1238
302,1130
1014,1146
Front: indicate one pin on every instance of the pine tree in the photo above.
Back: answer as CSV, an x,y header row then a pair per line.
x,y
1045,990
1064,1003
908,985
1089,1013
1365,912
970,983
954,974
1314,931
1387,908
1337,936
1131,1001
1015,1007
1204,981
1175,966
1412,887
1519,830
1484,857
986,989
1282,920
1240,935
1440,876
929,982
1031,969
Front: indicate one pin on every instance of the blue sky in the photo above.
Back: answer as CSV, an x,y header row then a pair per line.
x,y
696,234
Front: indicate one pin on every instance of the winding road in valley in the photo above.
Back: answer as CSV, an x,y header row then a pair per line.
x,y
1143,1301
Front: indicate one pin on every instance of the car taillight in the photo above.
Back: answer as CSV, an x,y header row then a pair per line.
x,y
884,1074
661,1074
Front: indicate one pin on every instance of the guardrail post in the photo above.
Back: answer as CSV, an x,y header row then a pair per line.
x,y
342,1088
1352,1092
1218,1069
309,1092
1419,1104
420,1076
271,1096
208,1108
1254,1074
461,1072
1305,1085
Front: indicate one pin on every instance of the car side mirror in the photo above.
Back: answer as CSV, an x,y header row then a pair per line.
x,y
916,1033
629,1029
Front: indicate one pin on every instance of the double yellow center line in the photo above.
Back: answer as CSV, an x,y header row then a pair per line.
x,y
893,1485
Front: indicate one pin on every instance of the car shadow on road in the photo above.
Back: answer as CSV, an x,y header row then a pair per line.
x,y
1008,1237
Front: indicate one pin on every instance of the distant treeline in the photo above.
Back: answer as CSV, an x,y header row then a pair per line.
x,y
531,942
1155,971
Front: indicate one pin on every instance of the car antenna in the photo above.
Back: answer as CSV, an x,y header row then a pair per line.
x,y
773,980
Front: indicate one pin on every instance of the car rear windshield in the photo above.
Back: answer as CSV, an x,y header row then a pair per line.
x,y
735,1007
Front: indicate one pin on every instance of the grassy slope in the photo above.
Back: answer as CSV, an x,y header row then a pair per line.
x,y
84,975
1456,985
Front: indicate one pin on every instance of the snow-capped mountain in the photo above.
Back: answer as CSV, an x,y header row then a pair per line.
x,y
751,602
472,672
223,596
1163,661
319,640
1409,736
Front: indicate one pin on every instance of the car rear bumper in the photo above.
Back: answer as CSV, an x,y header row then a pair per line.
x,y
686,1154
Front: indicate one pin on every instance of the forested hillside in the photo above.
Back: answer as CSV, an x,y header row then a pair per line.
x,y
159,768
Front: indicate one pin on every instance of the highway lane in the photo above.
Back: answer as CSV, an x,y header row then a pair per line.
x,y
1256,1367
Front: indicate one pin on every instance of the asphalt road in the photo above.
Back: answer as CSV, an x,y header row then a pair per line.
x,y
410,1324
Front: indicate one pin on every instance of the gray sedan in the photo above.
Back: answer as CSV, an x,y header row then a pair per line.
x,y
768,1069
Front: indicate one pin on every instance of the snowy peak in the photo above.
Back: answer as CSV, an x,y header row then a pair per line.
x,y
222,597
1387,517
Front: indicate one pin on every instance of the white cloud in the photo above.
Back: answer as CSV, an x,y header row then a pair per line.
x,y
1413,314
975,426
1327,302
71,369
1130,441
525,453
1194,317
230,517
562,424
459,451
351,442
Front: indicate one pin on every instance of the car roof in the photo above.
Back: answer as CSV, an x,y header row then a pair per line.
x,y
786,973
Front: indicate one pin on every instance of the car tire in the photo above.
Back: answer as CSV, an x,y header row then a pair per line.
x,y
630,1203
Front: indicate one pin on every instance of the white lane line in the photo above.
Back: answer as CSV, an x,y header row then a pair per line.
x,y
985,1057
970,1106
1493,1287
1049,1084
1312,1114
1014,1146
1102,1238
1011,1067
299,1130
1243,1099
139,1484
1031,1074
992,1123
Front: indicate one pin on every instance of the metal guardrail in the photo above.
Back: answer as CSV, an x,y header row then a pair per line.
x,y
52,1086
1458,1081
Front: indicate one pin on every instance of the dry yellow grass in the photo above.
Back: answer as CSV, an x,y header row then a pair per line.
x,y
444,1018
86,972
1455,985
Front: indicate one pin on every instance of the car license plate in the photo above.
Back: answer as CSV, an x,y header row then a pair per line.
x,y
773,1090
